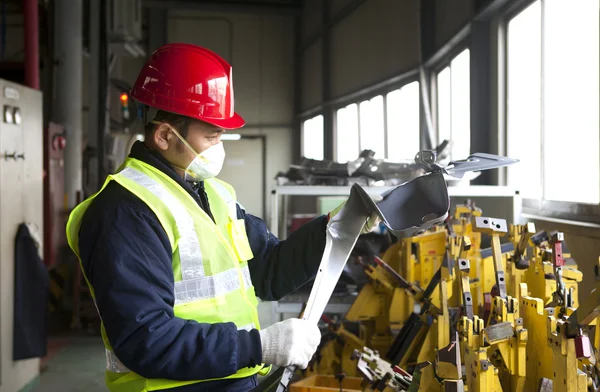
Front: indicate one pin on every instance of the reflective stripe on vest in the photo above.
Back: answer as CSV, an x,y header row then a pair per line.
x,y
194,284
190,256
113,364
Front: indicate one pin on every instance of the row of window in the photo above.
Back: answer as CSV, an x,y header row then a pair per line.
x,y
552,107
553,100
388,125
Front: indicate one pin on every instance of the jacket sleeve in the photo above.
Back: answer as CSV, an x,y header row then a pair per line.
x,y
281,267
127,258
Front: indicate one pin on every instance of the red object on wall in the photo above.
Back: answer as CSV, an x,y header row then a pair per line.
x,y
54,205
32,55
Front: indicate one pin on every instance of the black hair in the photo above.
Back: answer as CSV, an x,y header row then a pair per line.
x,y
179,122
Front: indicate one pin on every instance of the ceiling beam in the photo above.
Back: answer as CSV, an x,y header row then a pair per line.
x,y
291,7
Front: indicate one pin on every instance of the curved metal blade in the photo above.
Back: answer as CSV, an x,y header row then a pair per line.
x,y
476,162
413,207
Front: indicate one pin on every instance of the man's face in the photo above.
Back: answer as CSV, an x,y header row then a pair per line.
x,y
200,137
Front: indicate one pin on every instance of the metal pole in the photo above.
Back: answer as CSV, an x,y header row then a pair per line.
x,y
32,56
67,99
94,94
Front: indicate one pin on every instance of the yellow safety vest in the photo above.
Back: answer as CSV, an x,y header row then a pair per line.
x,y
212,280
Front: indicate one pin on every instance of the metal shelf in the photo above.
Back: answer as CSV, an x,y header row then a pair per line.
x,y
512,212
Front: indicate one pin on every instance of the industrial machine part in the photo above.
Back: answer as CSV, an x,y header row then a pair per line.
x,y
379,374
457,169
406,210
445,374
402,211
365,170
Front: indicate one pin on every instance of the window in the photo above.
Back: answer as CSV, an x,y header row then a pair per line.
x,y
347,142
312,138
571,134
553,99
389,126
453,105
372,128
523,109
403,122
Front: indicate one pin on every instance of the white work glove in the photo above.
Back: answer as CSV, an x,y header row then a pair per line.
x,y
290,342
373,221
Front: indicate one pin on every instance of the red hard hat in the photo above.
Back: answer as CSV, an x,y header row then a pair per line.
x,y
189,80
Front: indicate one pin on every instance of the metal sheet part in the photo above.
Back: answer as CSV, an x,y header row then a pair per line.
x,y
476,162
498,332
413,207
342,233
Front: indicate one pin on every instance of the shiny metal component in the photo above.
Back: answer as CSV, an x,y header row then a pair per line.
x,y
498,332
457,169
476,162
496,228
413,207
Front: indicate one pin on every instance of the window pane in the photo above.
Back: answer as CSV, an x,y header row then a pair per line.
x,y
347,147
371,126
460,95
403,122
571,126
444,117
312,138
524,100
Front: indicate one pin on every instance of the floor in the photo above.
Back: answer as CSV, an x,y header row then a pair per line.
x,y
73,364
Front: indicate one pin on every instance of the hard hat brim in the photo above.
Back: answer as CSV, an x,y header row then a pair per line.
x,y
235,122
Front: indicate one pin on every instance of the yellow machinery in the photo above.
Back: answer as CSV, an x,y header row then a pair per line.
x,y
441,314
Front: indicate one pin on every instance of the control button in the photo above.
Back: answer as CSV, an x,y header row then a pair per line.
x,y
8,114
17,116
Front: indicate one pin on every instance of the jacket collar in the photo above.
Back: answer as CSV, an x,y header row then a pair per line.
x,y
140,152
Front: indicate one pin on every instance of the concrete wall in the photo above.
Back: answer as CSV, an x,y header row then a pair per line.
x,y
372,44
450,17
376,41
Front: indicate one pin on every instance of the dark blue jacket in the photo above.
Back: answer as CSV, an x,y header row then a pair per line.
x,y
126,256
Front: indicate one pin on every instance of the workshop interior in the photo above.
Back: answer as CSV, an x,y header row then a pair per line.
x,y
475,123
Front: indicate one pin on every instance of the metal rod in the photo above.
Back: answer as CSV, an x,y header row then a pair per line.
x,y
68,59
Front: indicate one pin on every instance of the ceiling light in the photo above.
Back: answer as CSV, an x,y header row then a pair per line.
x,y
231,136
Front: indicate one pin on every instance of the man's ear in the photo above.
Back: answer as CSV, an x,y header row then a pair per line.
x,y
162,136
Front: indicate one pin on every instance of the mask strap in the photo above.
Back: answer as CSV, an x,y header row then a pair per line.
x,y
178,135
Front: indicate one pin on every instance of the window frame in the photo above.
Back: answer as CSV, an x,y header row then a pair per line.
x,y
570,213
368,94
434,69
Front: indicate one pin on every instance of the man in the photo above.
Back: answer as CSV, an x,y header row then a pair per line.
x,y
174,263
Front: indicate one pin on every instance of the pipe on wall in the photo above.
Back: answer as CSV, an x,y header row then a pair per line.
x,y
68,15
32,55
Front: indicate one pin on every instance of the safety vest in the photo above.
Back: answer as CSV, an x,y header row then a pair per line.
x,y
211,277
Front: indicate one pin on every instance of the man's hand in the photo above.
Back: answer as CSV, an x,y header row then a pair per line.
x,y
373,221
290,342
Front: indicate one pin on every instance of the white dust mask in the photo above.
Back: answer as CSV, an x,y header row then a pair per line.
x,y
207,164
